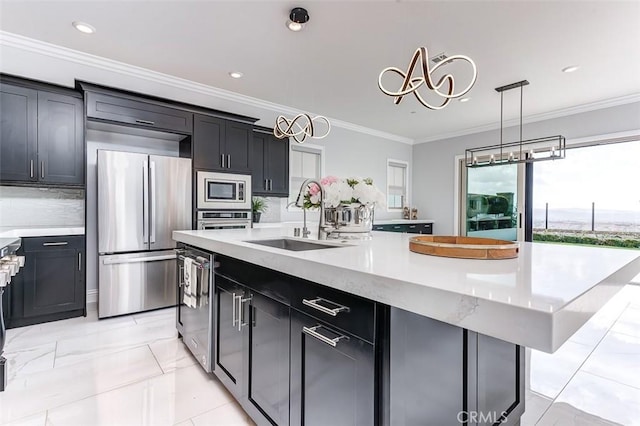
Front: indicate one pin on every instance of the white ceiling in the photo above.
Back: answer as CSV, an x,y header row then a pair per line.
x,y
332,66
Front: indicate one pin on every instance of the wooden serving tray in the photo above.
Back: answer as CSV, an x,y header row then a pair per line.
x,y
463,247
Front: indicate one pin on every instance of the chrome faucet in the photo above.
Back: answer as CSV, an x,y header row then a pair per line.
x,y
322,233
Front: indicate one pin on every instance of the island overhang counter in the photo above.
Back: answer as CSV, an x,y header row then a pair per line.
x,y
537,300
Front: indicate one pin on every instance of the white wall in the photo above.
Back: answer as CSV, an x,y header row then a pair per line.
x,y
433,172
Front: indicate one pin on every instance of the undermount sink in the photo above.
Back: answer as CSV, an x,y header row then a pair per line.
x,y
293,245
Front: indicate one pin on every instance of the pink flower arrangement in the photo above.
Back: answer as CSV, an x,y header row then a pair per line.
x,y
343,191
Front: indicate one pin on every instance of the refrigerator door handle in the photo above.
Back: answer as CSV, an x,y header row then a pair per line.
x,y
138,259
152,201
145,202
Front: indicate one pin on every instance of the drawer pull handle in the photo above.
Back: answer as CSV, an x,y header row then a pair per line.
x,y
61,243
312,331
151,123
397,227
412,226
333,312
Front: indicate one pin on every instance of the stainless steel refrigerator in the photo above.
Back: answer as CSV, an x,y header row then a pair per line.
x,y
141,200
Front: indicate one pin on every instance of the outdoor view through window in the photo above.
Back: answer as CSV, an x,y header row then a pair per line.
x,y
590,197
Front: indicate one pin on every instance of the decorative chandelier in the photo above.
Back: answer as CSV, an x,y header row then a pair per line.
x,y
528,151
411,84
300,127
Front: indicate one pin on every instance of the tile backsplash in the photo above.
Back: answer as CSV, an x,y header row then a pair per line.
x,y
28,206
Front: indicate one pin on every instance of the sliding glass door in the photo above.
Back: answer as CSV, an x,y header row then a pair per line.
x,y
492,202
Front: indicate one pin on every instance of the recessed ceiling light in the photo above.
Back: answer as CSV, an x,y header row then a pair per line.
x,y
571,68
412,112
297,18
464,99
235,74
83,27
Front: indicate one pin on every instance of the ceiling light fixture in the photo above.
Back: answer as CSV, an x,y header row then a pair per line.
x,y
464,99
286,128
411,84
235,74
571,68
83,27
540,149
297,19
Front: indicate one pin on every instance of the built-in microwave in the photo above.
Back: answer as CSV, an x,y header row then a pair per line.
x,y
223,191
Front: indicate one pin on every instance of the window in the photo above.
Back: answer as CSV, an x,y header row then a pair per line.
x,y
306,163
397,193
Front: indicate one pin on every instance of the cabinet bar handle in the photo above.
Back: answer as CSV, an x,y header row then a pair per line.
x,y
222,160
42,169
333,312
270,185
233,310
412,226
31,168
61,243
228,161
312,331
241,314
151,123
396,227
79,261
265,184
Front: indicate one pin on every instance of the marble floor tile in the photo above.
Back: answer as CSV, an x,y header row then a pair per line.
x,y
35,420
34,393
593,400
172,354
164,400
546,374
82,348
158,314
617,358
230,414
629,322
36,335
30,360
535,405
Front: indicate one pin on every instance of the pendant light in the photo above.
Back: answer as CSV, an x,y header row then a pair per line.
x,y
521,151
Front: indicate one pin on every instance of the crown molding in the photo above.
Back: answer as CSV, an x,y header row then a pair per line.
x,y
606,103
60,52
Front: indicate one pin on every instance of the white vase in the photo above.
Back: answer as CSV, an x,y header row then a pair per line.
x,y
354,218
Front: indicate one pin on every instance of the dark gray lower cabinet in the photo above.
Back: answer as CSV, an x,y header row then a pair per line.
x,y
252,349
441,374
269,358
230,340
51,286
332,375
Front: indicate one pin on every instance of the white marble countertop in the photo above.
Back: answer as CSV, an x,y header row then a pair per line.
x,y
537,300
40,231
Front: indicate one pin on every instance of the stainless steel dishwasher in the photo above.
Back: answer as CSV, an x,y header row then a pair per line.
x,y
194,319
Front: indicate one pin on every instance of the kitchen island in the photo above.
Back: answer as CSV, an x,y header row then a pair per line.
x,y
423,340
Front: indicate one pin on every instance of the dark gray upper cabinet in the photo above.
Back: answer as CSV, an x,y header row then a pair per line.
x,y
41,137
142,113
270,165
221,145
60,139
18,133
208,142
